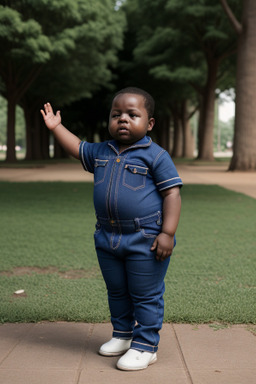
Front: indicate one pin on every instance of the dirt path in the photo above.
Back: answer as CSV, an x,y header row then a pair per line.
x,y
244,182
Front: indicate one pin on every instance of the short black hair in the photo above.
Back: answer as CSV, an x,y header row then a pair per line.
x,y
149,101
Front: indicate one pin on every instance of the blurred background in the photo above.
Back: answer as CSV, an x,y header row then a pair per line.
x,y
197,59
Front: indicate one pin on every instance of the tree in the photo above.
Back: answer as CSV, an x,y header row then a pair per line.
x,y
181,43
22,43
3,114
86,66
138,65
244,148
208,41
66,59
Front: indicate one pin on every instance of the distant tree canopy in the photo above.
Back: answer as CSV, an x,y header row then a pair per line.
x,y
63,50
181,52
75,53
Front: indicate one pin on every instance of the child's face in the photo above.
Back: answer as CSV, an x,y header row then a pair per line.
x,y
128,119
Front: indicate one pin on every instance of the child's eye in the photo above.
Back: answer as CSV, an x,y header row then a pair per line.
x,y
133,115
115,115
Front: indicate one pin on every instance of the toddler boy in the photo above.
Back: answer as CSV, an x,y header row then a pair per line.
x,y
137,204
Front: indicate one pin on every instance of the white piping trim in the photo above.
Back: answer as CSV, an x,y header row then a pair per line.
x,y
165,181
82,156
170,186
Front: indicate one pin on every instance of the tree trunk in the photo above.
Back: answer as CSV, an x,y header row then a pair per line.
x,y
15,91
164,133
206,129
36,139
34,132
177,150
28,123
11,153
200,123
45,138
244,148
188,139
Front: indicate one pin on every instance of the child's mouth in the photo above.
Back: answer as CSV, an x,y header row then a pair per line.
x,y
123,130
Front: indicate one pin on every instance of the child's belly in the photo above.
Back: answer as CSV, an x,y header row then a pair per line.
x,y
124,203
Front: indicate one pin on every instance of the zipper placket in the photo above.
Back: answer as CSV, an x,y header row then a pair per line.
x,y
109,191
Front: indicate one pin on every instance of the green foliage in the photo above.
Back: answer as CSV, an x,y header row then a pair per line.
x,y
59,51
47,250
178,76
174,43
22,39
78,41
214,34
186,31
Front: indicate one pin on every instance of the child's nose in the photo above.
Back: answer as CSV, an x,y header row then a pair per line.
x,y
123,117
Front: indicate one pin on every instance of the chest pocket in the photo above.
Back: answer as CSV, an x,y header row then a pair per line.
x,y
100,169
134,176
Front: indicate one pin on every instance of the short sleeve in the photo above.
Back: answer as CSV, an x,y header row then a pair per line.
x,y
165,173
87,155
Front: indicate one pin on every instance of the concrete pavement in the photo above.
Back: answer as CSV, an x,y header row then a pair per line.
x,y
66,353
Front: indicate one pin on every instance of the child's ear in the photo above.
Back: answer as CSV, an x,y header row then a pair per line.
x,y
151,124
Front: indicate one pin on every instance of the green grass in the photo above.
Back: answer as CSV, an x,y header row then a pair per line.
x,y
46,248
22,163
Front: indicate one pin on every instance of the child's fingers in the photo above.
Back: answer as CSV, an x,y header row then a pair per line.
x,y
48,108
154,245
42,112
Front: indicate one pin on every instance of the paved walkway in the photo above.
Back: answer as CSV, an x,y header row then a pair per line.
x,y
66,353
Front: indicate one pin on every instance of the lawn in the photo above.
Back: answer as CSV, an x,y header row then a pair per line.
x,y
46,249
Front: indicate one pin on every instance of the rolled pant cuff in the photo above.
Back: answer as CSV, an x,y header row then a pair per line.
x,y
123,334
144,347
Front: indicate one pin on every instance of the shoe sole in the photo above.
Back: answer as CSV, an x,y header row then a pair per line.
x,y
109,354
136,369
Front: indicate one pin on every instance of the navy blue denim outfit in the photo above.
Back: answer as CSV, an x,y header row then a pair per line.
x,y
128,206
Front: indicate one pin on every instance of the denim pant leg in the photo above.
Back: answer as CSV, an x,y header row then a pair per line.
x,y
146,287
135,284
120,304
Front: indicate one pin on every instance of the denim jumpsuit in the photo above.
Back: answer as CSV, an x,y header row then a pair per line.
x,y
128,207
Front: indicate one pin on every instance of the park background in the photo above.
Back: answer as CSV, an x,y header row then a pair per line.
x,y
76,54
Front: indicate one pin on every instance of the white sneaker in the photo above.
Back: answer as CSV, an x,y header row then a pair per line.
x,y
115,347
135,360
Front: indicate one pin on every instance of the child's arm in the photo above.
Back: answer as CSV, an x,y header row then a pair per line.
x,y
66,139
164,242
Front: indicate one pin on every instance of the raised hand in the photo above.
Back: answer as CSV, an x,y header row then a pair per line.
x,y
51,120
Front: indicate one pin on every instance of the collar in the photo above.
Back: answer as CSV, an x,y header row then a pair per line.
x,y
142,143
